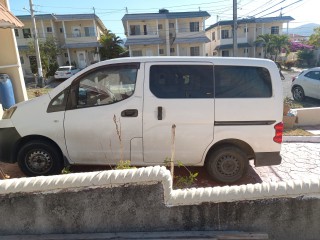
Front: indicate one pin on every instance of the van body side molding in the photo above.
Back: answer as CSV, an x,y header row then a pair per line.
x,y
245,123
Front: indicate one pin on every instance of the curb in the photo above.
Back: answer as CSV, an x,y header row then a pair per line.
x,y
301,139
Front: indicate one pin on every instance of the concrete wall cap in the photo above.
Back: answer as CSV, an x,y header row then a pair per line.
x,y
150,175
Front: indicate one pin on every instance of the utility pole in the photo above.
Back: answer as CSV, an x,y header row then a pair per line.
x,y
36,45
235,39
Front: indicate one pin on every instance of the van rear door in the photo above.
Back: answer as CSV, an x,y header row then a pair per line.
x,y
179,93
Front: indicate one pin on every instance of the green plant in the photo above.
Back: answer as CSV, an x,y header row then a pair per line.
x,y
124,165
66,170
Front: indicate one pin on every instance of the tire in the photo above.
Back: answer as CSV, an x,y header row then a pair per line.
x,y
37,158
228,164
298,93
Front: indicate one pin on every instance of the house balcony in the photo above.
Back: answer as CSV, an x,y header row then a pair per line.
x,y
71,38
227,41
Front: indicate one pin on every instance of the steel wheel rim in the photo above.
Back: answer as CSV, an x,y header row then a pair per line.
x,y
228,165
39,161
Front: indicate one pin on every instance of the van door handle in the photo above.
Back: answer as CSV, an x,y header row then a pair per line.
x,y
159,113
129,113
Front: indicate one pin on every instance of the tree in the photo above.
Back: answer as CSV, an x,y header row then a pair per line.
x,y
305,58
274,44
49,51
314,39
265,41
296,46
111,45
279,43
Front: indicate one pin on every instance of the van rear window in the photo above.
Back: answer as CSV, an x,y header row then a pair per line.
x,y
242,82
181,81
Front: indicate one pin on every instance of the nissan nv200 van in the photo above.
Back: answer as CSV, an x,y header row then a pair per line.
x,y
227,111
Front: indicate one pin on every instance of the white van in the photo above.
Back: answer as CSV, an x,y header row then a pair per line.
x,y
227,111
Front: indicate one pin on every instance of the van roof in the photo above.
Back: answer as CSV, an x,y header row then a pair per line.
x,y
220,60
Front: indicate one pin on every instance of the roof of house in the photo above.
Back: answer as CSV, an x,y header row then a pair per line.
x,y
230,46
81,45
202,39
252,20
63,17
143,41
165,15
7,19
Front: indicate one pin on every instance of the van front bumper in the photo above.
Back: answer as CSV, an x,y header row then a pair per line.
x,y
8,138
267,159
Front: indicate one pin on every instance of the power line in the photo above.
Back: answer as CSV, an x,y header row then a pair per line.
x,y
282,8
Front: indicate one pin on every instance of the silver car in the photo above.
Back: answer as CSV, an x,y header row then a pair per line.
x,y
306,84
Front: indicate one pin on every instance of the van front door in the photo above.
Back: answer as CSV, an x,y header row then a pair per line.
x,y
105,106
179,94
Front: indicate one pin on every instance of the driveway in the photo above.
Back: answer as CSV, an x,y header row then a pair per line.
x,y
299,161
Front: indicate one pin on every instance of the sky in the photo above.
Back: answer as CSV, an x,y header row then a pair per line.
x,y
112,11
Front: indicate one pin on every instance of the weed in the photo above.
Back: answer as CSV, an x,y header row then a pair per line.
x,y
124,165
3,174
66,170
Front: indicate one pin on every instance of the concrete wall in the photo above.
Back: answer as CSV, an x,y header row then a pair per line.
x,y
143,200
308,116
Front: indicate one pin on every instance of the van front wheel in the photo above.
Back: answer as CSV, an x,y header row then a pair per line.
x,y
37,158
228,164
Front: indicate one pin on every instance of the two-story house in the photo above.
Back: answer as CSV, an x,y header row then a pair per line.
x,y
221,35
77,34
166,33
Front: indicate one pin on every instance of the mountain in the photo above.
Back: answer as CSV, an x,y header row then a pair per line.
x,y
304,30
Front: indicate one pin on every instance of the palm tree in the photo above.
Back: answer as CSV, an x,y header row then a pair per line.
x,y
278,44
265,41
111,45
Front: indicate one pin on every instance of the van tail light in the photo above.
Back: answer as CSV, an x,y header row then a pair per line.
x,y
279,131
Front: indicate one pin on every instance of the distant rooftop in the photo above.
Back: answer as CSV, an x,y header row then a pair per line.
x,y
252,20
62,17
165,14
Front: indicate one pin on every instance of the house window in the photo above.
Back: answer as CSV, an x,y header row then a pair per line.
x,y
245,30
160,26
49,29
225,53
245,50
65,55
171,25
61,30
213,36
195,51
161,51
26,33
145,32
89,31
135,30
21,60
136,53
224,34
194,27
171,50
16,32
275,30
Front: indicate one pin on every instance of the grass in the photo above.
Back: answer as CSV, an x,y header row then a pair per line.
x,y
306,103
36,92
296,132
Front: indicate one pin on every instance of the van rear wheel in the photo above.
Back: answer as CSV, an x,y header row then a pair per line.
x,y
37,158
227,164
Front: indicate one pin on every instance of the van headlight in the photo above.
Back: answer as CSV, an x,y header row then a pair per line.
x,y
9,112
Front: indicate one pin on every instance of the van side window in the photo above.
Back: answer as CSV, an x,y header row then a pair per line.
x,y
181,81
242,82
105,85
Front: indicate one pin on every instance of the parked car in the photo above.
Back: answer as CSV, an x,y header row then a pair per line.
x,y
227,111
65,72
306,84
